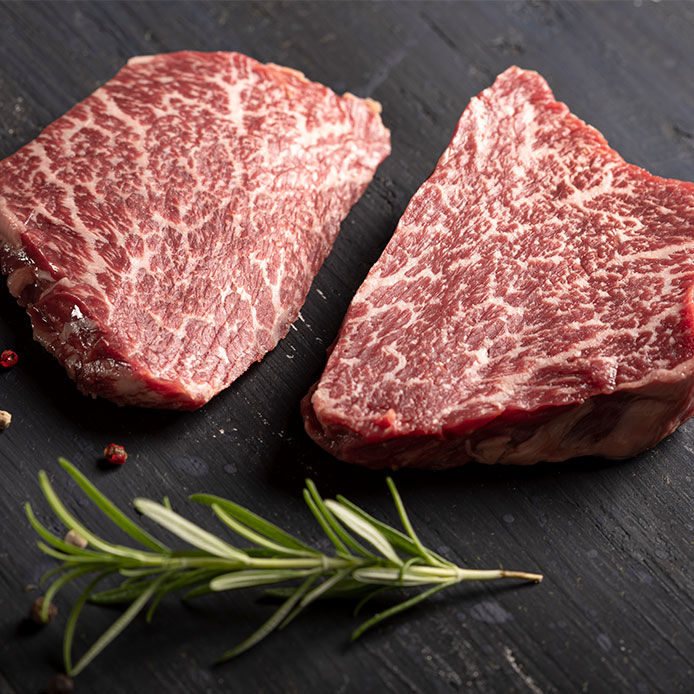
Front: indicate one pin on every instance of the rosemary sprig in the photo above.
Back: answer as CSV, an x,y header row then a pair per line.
x,y
370,557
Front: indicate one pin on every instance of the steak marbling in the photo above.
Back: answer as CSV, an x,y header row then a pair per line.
x,y
534,303
164,233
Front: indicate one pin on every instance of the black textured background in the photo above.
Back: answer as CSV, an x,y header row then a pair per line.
x,y
615,540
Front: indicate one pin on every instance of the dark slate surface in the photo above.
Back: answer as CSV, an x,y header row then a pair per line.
x,y
614,539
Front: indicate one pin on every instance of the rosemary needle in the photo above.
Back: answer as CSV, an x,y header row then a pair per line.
x,y
370,557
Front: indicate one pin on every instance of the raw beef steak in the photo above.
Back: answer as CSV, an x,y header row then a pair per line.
x,y
535,303
164,233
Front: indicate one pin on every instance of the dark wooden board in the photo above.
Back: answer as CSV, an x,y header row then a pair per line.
x,y
615,540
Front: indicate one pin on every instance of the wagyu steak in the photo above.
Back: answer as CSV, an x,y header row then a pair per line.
x,y
164,233
534,303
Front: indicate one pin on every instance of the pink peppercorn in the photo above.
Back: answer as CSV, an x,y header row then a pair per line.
x,y
115,454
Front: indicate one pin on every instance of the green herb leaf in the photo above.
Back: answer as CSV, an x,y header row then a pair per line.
x,y
344,536
73,524
368,532
255,522
404,519
271,623
111,510
115,629
188,531
54,540
401,607
191,578
315,594
213,565
249,534
255,577
58,584
72,619
395,537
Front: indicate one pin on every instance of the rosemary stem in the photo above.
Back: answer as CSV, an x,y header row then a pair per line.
x,y
491,575
321,562
169,563
386,574
456,572
367,570
415,574
389,559
220,563
194,562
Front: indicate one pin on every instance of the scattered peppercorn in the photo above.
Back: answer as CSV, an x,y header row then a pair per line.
x,y
35,612
5,419
8,358
73,538
115,454
60,684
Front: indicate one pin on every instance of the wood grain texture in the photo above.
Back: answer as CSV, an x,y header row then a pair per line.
x,y
615,540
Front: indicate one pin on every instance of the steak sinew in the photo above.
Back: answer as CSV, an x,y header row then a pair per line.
x,y
534,303
164,233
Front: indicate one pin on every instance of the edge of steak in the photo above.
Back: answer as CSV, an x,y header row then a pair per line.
x,y
164,233
534,303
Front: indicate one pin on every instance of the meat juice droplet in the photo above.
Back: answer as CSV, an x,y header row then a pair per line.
x,y
190,465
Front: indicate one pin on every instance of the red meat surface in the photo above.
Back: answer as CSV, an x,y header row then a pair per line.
x,y
534,303
164,233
